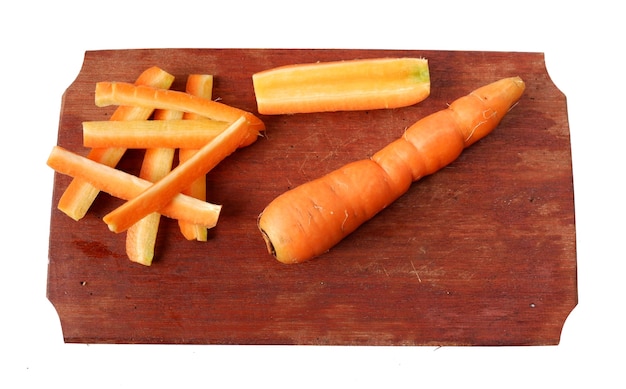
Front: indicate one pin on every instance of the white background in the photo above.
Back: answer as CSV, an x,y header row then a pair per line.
x,y
43,44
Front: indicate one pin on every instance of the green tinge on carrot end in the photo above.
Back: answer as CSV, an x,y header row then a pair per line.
x,y
422,72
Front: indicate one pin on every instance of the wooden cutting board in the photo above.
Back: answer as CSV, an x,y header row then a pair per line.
x,y
481,253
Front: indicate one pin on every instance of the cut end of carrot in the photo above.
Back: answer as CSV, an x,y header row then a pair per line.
x,y
281,256
193,231
141,238
272,249
266,238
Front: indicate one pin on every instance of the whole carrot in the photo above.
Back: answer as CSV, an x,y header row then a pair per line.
x,y
308,220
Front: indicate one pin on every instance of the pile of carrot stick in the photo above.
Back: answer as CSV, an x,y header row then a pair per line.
x,y
203,131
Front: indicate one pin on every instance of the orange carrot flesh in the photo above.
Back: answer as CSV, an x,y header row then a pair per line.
x,y
141,239
79,195
121,93
126,186
310,219
342,85
198,85
157,162
198,190
181,177
144,134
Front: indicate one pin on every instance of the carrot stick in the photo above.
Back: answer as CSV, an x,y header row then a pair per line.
x,y
342,85
157,162
181,177
198,85
310,219
79,195
121,93
144,134
126,186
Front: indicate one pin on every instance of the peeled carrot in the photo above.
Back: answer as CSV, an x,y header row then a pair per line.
x,y
126,186
79,195
121,93
342,85
143,134
310,219
157,162
198,85
181,177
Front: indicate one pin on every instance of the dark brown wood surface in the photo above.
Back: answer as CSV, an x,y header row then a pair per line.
x,y
481,253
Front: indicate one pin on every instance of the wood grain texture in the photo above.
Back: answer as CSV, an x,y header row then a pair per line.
x,y
481,253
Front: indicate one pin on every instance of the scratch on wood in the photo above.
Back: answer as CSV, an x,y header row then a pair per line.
x,y
306,158
415,271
